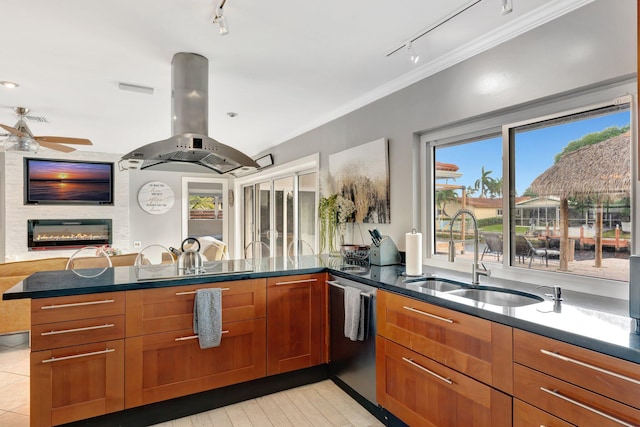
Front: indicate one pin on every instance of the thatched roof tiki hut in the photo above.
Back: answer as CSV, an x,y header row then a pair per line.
x,y
600,172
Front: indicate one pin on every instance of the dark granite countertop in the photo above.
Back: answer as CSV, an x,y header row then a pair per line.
x,y
593,322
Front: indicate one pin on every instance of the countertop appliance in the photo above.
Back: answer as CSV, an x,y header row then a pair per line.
x,y
353,363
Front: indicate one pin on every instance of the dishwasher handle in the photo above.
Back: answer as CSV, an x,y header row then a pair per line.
x,y
338,285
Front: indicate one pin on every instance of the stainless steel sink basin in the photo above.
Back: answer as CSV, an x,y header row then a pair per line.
x,y
433,284
499,297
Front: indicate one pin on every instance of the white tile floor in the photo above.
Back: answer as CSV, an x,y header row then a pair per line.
x,y
14,380
319,404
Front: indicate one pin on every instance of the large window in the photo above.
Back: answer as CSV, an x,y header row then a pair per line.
x,y
571,185
563,207
468,176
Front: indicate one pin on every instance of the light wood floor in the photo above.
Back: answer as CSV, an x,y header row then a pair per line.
x,y
319,404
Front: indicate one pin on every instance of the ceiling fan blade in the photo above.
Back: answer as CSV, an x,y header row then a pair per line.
x,y
63,140
56,146
13,130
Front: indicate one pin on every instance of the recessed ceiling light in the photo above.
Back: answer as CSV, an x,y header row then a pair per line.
x,y
9,84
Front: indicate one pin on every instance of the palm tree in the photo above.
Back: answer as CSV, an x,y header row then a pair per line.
x,y
484,183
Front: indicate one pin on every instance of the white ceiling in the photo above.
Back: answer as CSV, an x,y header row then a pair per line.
x,y
286,66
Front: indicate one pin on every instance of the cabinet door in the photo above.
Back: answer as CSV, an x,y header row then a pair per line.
x,y
525,415
74,383
422,392
296,317
571,403
171,364
477,347
151,311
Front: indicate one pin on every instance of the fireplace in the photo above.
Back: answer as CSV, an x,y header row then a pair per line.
x,y
47,234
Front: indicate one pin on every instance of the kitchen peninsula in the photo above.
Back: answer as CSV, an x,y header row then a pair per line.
x,y
141,322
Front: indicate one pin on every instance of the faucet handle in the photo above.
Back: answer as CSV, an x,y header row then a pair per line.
x,y
557,292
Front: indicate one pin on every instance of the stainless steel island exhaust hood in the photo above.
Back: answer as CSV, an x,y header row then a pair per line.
x,y
190,112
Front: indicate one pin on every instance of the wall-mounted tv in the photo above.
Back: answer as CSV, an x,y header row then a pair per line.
x,y
67,182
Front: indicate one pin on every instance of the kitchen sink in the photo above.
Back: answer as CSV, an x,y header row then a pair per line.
x,y
499,297
433,284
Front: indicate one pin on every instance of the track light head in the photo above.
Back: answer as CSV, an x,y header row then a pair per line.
x,y
413,55
219,19
507,7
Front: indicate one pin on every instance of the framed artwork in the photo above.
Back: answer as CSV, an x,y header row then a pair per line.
x,y
361,174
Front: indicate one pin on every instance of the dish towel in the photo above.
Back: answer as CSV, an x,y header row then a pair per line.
x,y
207,317
354,314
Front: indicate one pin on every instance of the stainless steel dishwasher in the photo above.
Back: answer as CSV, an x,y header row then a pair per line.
x,y
353,363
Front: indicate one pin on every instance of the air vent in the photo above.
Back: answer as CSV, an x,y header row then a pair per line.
x,y
39,119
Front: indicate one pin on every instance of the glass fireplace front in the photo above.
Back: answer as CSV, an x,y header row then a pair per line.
x,y
47,234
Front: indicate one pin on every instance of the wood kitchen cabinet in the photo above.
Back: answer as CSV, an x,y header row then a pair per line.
x,y
296,322
164,359
423,392
77,358
476,347
525,415
172,364
580,386
439,367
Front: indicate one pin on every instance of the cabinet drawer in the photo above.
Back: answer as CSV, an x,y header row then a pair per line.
x,y
606,375
172,364
525,415
60,309
422,392
297,280
569,402
151,311
74,332
477,347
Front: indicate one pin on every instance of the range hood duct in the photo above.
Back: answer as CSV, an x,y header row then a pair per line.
x,y
189,112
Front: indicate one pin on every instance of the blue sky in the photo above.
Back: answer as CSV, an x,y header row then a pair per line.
x,y
535,150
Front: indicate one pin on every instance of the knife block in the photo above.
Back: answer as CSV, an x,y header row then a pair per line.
x,y
386,253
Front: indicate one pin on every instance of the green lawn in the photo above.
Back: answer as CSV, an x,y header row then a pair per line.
x,y
497,228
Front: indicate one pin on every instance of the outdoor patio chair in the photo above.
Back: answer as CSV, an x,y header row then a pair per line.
x,y
543,253
494,245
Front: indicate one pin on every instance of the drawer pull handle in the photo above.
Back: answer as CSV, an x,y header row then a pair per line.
x,y
193,337
193,292
583,406
68,331
75,356
76,304
440,377
444,319
587,365
293,282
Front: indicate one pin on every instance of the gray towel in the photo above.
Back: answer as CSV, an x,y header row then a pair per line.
x,y
207,317
354,313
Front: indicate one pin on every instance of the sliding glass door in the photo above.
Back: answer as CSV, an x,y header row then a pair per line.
x,y
280,216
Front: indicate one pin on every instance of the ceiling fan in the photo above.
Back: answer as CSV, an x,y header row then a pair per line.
x,y
22,139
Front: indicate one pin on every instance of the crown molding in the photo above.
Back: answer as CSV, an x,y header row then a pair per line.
x,y
506,32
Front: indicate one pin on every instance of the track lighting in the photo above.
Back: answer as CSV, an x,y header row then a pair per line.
x,y
507,7
219,19
413,55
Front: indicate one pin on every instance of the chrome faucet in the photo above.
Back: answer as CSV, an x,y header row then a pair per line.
x,y
476,270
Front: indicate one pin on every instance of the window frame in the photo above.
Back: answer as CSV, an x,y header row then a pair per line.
x,y
486,126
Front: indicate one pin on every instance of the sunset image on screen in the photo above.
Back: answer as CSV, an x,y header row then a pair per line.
x,y
52,181
63,171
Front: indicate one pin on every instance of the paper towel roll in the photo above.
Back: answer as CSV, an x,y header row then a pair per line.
x,y
413,258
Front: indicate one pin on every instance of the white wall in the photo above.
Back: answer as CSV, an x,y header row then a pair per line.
x,y
16,213
594,44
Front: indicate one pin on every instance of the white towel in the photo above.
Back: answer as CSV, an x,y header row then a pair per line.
x,y
207,317
354,314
